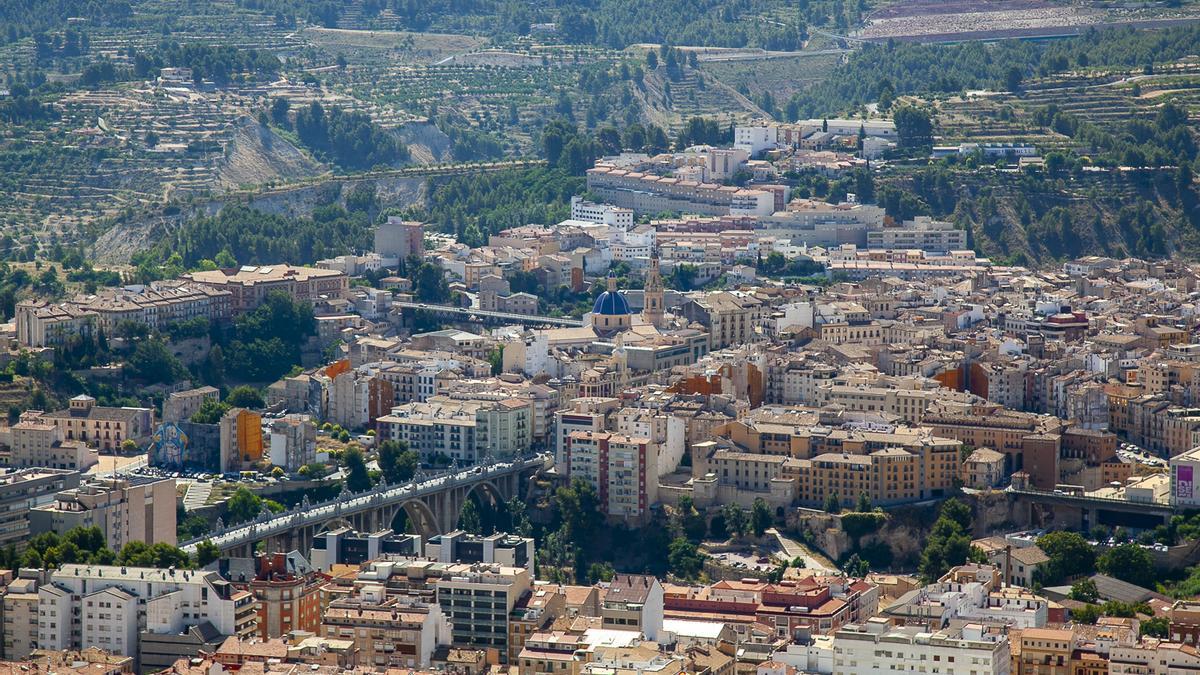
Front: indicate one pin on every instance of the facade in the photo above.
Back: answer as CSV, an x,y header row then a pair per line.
x,y
249,285
623,469
398,239
648,193
292,441
463,430
877,648
241,439
731,317
634,602
508,550
100,426
44,324
179,406
126,509
38,442
20,491
115,606
288,595
478,599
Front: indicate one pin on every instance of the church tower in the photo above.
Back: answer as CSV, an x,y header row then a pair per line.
x,y
652,309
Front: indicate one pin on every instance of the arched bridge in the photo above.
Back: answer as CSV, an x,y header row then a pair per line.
x,y
431,502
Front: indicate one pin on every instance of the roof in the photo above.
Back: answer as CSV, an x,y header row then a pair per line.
x,y
1109,588
610,303
630,588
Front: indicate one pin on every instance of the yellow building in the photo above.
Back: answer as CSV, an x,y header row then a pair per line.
x,y
241,439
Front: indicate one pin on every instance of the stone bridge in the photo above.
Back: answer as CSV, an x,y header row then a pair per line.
x,y
431,503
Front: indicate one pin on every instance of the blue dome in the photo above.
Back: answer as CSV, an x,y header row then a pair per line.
x,y
610,303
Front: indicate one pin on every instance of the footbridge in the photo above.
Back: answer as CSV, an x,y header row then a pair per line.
x,y
431,503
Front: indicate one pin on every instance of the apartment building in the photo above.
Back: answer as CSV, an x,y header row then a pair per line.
x,y
398,239
580,414
291,441
113,607
463,430
179,406
101,426
878,648
20,607
126,509
1030,443
44,324
241,437
601,214
1044,651
156,305
394,631
20,491
508,550
249,285
623,469
633,602
288,593
922,233
38,442
478,599
731,317
649,193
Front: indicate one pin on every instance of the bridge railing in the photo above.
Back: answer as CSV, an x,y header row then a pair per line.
x,y
347,503
1067,495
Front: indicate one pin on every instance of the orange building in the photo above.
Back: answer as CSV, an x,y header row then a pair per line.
x,y
241,439
288,598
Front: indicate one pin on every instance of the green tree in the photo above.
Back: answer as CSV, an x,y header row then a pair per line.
x,y
913,127
735,519
864,503
1084,590
1129,562
210,412
397,463
1070,555
469,519
691,522
357,478
245,396
206,553
153,362
1159,627
1088,614
685,558
760,517
600,571
833,504
242,506
949,544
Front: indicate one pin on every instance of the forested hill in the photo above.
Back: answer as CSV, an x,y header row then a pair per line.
x,y
772,24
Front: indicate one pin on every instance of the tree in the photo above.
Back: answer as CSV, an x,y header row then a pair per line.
x,y
1013,78
206,553
690,520
600,571
913,126
397,463
245,396
832,503
652,60
864,503
129,446
736,522
242,506
1088,614
1129,562
760,517
211,411
1159,627
1084,590
153,362
685,558
357,478
469,519
1070,555
949,544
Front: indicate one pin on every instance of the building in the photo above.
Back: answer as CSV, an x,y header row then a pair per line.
x,y
731,317
100,426
292,441
398,239
241,439
179,406
922,233
288,593
508,550
387,631
45,324
126,509
623,469
249,285
343,546
633,602
478,599
648,193
20,607
463,430
20,491
157,305
114,607
37,441
878,648
601,214
1044,651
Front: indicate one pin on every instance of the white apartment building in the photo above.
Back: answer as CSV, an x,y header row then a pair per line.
x,y
922,233
755,139
601,214
816,223
136,508
878,648
110,607
623,469
649,193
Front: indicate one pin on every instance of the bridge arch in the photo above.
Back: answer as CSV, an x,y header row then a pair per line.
x,y
487,490
419,516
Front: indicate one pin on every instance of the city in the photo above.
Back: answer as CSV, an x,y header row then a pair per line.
x,y
600,338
